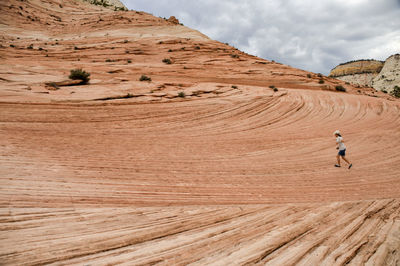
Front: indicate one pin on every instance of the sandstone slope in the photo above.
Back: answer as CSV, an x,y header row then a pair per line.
x,y
206,164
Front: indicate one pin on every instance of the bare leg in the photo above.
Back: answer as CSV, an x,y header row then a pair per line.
x,y
344,158
338,159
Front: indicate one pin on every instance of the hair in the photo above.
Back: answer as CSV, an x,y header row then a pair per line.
x,y
339,135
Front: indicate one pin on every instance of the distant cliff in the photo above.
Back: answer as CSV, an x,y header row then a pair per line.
x,y
381,75
389,77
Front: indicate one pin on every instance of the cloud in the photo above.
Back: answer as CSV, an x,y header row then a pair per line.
x,y
308,34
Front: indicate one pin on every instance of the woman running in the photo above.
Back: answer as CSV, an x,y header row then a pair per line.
x,y
342,149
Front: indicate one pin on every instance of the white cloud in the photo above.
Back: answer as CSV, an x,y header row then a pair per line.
x,y
309,34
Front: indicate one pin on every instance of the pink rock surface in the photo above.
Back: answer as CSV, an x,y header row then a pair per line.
x,y
121,171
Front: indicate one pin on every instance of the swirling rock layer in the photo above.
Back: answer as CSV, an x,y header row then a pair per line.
x,y
206,164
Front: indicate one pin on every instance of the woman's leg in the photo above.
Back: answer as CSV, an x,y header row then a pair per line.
x,y
344,158
338,159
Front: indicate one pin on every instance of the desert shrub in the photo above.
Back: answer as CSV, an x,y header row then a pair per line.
x,y
100,3
30,46
181,94
275,89
12,45
116,8
234,56
170,51
129,61
272,86
79,73
396,91
384,91
340,88
234,87
197,48
321,81
319,75
167,61
126,41
309,76
145,78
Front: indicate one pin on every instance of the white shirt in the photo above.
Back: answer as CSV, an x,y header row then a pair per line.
x,y
340,143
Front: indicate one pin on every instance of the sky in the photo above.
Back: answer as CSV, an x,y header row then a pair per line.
x,y
314,35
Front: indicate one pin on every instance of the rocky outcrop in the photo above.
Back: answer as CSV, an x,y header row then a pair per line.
x,y
173,20
360,72
357,67
389,77
381,75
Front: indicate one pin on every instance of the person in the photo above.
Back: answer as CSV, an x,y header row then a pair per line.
x,y
342,149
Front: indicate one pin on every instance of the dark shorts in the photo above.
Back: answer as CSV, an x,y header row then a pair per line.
x,y
342,152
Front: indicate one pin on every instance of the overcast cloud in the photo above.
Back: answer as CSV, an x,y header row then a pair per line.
x,y
314,35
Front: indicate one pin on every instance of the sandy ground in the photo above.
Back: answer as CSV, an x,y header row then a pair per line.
x,y
127,172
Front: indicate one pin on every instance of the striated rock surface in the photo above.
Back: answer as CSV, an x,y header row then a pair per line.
x,y
389,77
219,158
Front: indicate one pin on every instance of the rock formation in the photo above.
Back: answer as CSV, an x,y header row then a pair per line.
x,y
182,150
381,75
173,20
389,77
360,72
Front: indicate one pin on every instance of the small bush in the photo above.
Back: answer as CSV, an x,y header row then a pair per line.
x,y
170,51
197,48
126,41
272,86
30,46
145,78
129,61
12,45
275,89
181,94
321,81
234,87
309,76
80,74
116,8
384,91
167,61
340,88
319,75
396,91
234,56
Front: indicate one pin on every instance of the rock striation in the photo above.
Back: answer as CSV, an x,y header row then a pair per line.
x,y
381,75
182,150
